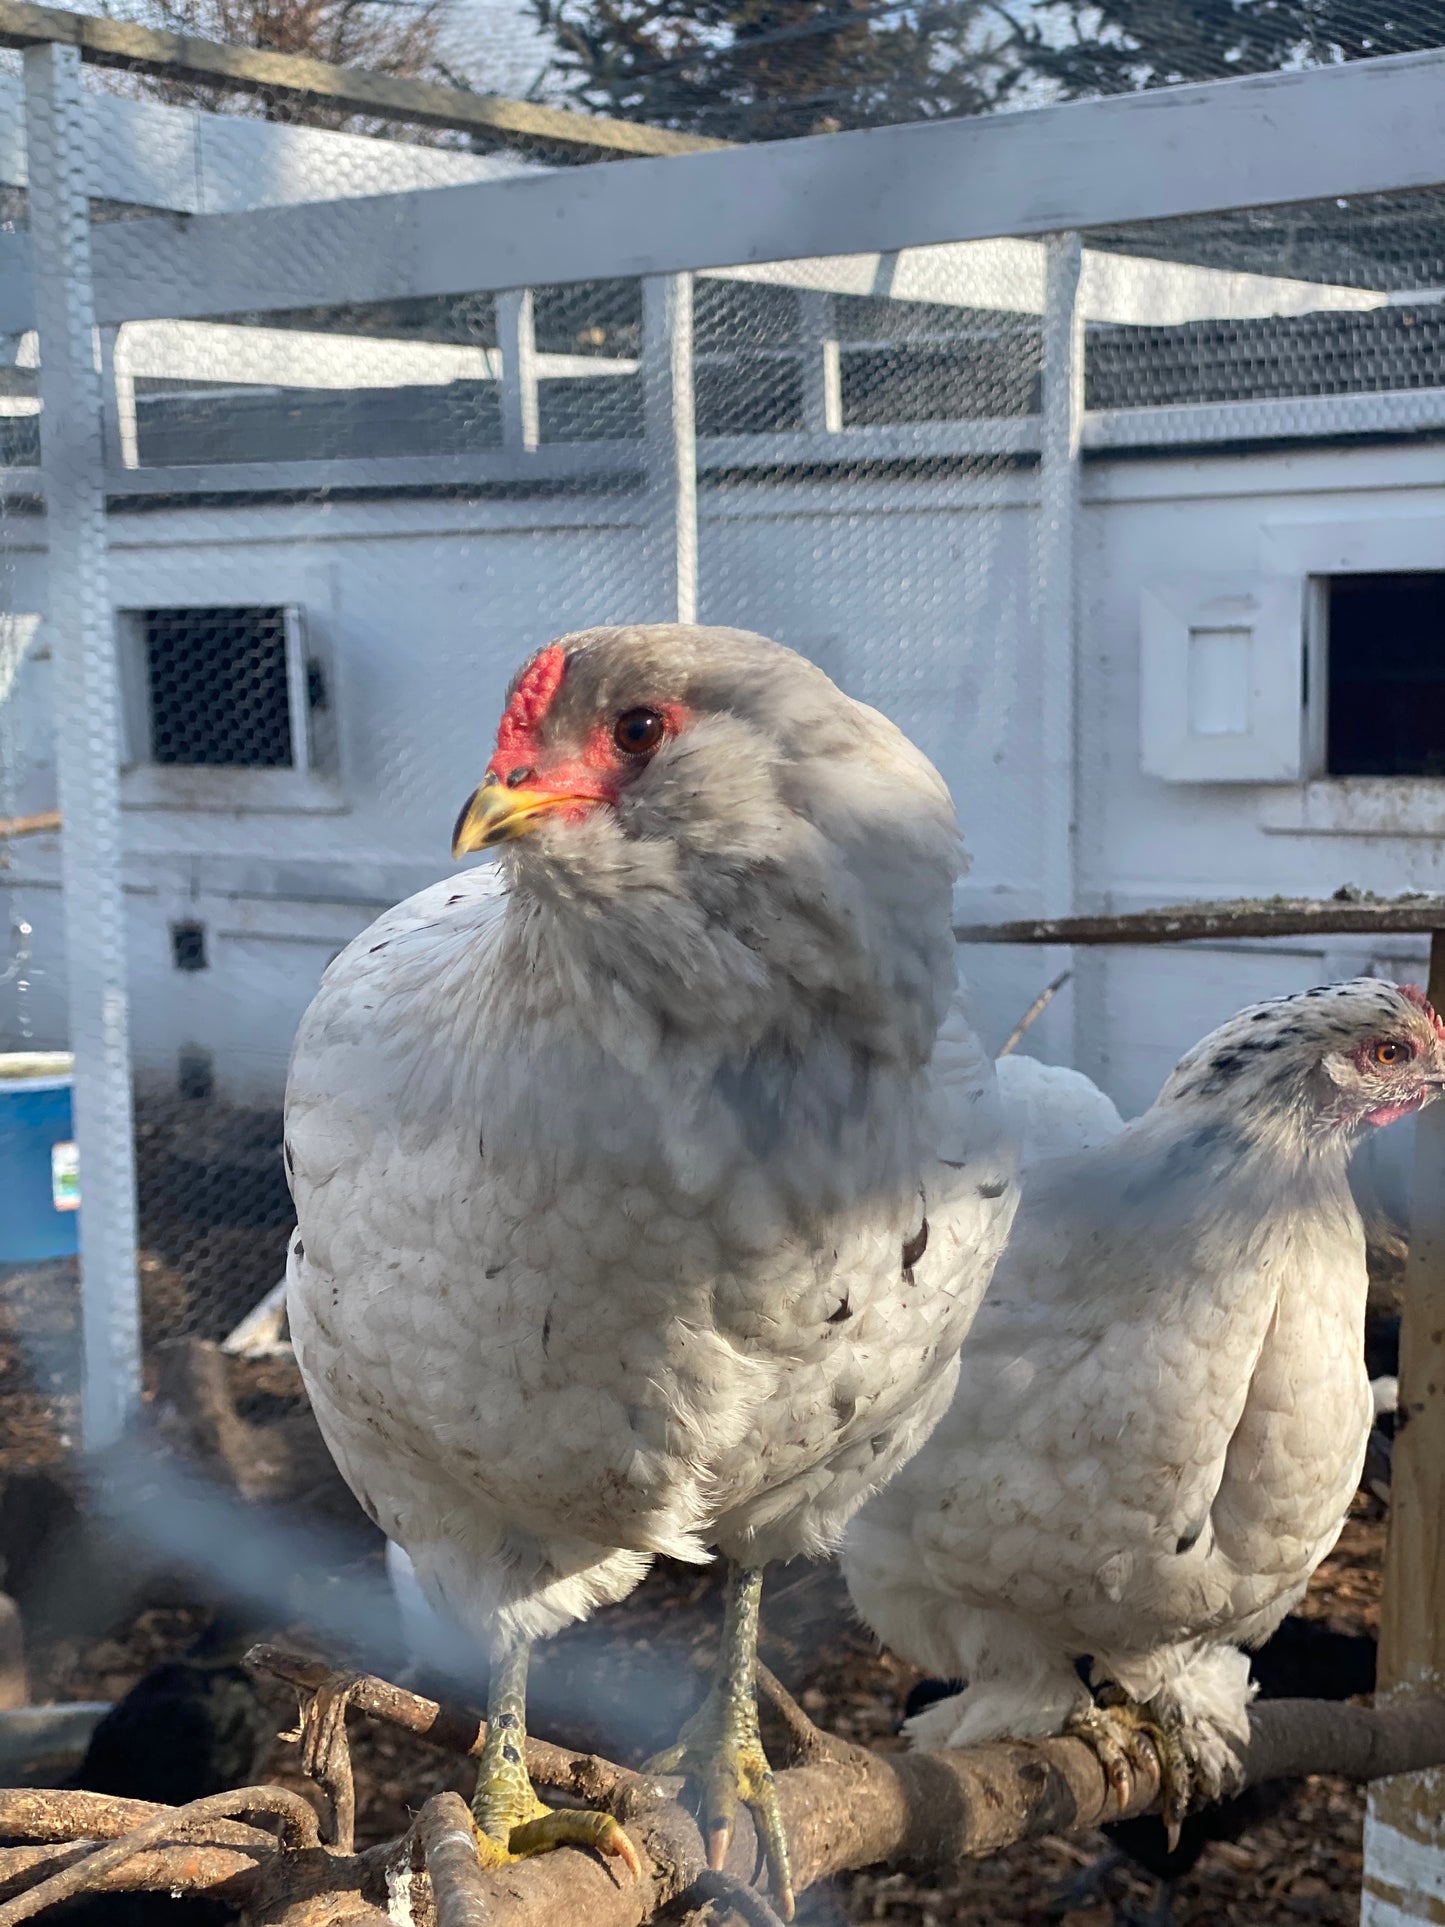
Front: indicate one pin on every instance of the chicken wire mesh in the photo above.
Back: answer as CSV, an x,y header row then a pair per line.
x,y
335,529
743,73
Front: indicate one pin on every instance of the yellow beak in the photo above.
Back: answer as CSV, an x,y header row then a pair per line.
x,y
495,814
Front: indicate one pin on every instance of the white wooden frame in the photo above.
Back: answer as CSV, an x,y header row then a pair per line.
x,y
1365,127
313,783
1378,540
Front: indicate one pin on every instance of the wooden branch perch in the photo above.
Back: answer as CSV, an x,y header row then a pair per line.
x,y
42,822
1340,915
844,1807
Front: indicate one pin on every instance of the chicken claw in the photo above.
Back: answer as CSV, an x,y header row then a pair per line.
x,y
1113,1726
557,1827
509,1821
720,1749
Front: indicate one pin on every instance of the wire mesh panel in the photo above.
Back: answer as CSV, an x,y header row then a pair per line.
x,y
336,525
1136,529
895,539
1263,396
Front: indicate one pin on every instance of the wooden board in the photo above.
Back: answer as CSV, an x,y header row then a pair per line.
x,y
1405,1836
121,43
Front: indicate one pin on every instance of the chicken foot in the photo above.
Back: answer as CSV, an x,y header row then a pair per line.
x,y
510,1822
720,1749
1112,1725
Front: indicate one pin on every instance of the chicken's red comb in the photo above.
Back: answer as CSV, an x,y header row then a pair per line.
x,y
531,699
1422,1002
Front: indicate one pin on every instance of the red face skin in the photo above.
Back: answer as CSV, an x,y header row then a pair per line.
x,y
597,774
1367,1063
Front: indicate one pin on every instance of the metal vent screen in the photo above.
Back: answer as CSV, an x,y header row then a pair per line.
x,y
218,687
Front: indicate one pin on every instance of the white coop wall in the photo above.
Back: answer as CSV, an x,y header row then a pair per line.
x,y
1146,841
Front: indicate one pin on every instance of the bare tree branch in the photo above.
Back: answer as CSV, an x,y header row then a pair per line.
x,y
195,1867
449,1848
66,1815
1035,1010
326,1756
453,1728
40,824
297,1814
844,1808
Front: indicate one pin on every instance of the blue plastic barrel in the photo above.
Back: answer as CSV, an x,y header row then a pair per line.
x,y
39,1179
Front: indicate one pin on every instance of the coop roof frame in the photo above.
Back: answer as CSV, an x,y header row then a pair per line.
x,y
1370,126
107,42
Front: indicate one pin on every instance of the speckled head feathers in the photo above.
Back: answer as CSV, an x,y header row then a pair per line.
x,y
1340,1055
1418,997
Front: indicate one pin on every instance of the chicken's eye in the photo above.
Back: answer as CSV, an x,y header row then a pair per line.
x,y
637,732
1391,1051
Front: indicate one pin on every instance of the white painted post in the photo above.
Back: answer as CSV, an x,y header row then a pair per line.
x,y
822,368
1404,1880
87,735
1058,564
118,389
521,429
670,432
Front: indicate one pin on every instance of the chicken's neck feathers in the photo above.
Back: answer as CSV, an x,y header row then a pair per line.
x,y
479,1013
775,978
1180,1208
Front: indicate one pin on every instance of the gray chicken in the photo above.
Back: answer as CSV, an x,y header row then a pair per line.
x,y
647,1183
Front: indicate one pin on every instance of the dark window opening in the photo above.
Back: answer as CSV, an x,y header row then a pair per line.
x,y
1386,653
216,681
188,946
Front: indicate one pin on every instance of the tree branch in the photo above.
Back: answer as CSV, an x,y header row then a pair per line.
x,y
844,1809
297,1815
449,1849
452,1727
194,1867
934,1809
65,1815
42,822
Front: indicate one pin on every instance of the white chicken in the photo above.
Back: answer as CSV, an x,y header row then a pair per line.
x,y
1053,1111
1163,1407
647,1184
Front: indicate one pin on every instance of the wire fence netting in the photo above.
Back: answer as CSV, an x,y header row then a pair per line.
x,y
335,530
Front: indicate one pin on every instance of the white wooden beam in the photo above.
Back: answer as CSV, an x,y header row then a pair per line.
x,y
87,739
669,431
516,335
1007,276
191,162
1058,549
122,449
1202,424
1364,127
822,365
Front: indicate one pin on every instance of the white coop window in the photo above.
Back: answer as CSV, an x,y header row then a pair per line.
x,y
227,705
1221,679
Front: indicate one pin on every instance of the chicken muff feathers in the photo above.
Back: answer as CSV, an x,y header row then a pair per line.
x,y
607,1159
